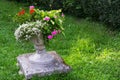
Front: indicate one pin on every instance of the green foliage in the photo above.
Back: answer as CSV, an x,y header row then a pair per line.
x,y
21,19
53,20
91,50
106,11
43,4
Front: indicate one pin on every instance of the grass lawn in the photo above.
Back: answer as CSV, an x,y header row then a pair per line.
x,y
89,48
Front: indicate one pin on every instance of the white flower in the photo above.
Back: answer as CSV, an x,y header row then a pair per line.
x,y
28,30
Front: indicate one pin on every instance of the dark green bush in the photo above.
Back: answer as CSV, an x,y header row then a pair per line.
x,y
107,11
44,4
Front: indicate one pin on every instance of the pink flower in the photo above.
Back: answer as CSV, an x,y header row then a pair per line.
x,y
54,32
50,36
63,15
59,31
46,18
32,7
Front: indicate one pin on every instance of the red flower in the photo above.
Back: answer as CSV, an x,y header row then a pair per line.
x,y
22,12
32,11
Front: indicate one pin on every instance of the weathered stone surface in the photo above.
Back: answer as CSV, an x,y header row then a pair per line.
x,y
29,68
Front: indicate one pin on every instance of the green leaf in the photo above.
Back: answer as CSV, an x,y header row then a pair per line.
x,y
52,22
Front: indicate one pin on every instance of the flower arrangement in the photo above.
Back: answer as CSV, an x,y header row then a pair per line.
x,y
36,22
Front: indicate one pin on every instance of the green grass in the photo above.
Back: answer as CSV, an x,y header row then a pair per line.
x,y
89,48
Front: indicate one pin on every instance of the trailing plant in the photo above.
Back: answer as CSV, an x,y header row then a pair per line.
x,y
36,21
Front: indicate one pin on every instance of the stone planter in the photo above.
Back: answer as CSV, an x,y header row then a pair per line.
x,y
41,62
41,56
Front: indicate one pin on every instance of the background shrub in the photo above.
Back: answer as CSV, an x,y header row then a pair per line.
x,y
44,4
106,11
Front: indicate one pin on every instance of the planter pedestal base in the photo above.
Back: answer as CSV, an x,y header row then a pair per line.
x,y
29,68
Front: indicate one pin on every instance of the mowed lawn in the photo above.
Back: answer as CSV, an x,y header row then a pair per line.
x,y
92,50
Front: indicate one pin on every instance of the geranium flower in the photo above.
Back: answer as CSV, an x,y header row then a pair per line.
x,y
32,7
54,32
22,12
50,36
32,11
46,18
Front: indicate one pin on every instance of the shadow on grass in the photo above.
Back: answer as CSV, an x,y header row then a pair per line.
x,y
62,76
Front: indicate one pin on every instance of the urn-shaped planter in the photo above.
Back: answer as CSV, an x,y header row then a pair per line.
x,y
41,62
31,26
41,56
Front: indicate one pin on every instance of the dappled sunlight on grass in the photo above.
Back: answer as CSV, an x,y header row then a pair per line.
x,y
84,45
105,55
86,48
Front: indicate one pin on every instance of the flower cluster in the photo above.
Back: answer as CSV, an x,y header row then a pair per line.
x,y
36,21
32,9
53,33
28,30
